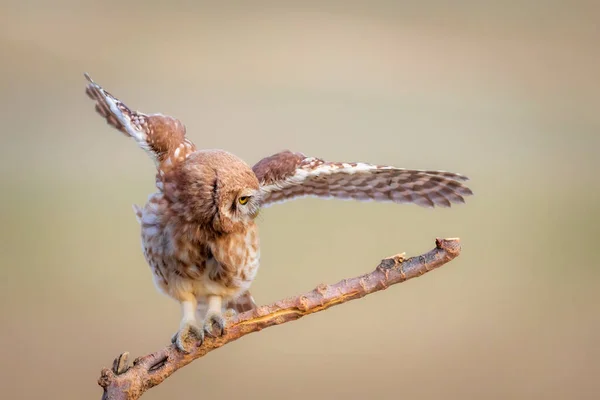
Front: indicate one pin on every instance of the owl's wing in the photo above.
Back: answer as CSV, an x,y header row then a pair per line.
x,y
286,176
161,136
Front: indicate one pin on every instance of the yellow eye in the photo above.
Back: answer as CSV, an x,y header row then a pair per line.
x,y
244,199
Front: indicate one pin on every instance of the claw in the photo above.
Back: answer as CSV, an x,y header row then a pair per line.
x,y
189,332
214,325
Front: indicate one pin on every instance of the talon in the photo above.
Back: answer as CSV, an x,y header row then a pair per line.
x,y
214,325
187,337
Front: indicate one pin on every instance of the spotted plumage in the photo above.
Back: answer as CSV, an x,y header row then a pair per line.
x,y
288,175
198,231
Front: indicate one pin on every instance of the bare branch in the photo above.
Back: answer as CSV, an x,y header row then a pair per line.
x,y
123,382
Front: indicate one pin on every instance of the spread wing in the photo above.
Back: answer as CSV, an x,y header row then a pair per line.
x,y
161,136
286,176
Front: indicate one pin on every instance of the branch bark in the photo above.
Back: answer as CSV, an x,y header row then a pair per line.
x,y
123,382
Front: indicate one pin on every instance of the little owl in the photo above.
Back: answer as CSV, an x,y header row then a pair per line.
x,y
198,230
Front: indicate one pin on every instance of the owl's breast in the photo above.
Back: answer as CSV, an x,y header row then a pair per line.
x,y
176,251
237,258
185,257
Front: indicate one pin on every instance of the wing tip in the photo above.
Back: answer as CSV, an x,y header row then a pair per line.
x,y
467,191
92,89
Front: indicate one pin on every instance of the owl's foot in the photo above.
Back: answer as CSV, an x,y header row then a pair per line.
x,y
188,335
214,325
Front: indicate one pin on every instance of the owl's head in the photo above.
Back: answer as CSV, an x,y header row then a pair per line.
x,y
217,189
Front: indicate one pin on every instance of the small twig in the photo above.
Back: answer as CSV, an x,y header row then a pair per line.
x,y
123,382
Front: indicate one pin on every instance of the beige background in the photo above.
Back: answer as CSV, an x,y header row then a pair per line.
x,y
504,92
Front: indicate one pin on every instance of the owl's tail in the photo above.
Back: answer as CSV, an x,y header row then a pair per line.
x,y
161,136
242,303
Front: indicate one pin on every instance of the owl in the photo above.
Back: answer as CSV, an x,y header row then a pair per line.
x,y
198,231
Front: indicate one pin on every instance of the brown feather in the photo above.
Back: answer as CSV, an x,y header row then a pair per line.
x,y
286,176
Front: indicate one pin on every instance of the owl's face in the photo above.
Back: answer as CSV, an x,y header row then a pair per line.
x,y
238,199
241,205
217,189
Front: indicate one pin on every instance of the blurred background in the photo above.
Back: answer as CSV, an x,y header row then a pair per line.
x,y
504,92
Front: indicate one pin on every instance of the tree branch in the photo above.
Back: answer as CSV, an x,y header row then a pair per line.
x,y
123,382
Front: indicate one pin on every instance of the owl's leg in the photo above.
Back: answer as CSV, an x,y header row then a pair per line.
x,y
202,308
214,323
189,331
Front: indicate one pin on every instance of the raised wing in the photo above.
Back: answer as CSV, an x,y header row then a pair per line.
x,y
161,136
286,176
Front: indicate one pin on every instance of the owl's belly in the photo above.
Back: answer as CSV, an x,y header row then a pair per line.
x,y
182,265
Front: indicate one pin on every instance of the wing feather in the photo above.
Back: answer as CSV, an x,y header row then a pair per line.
x,y
287,176
161,136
